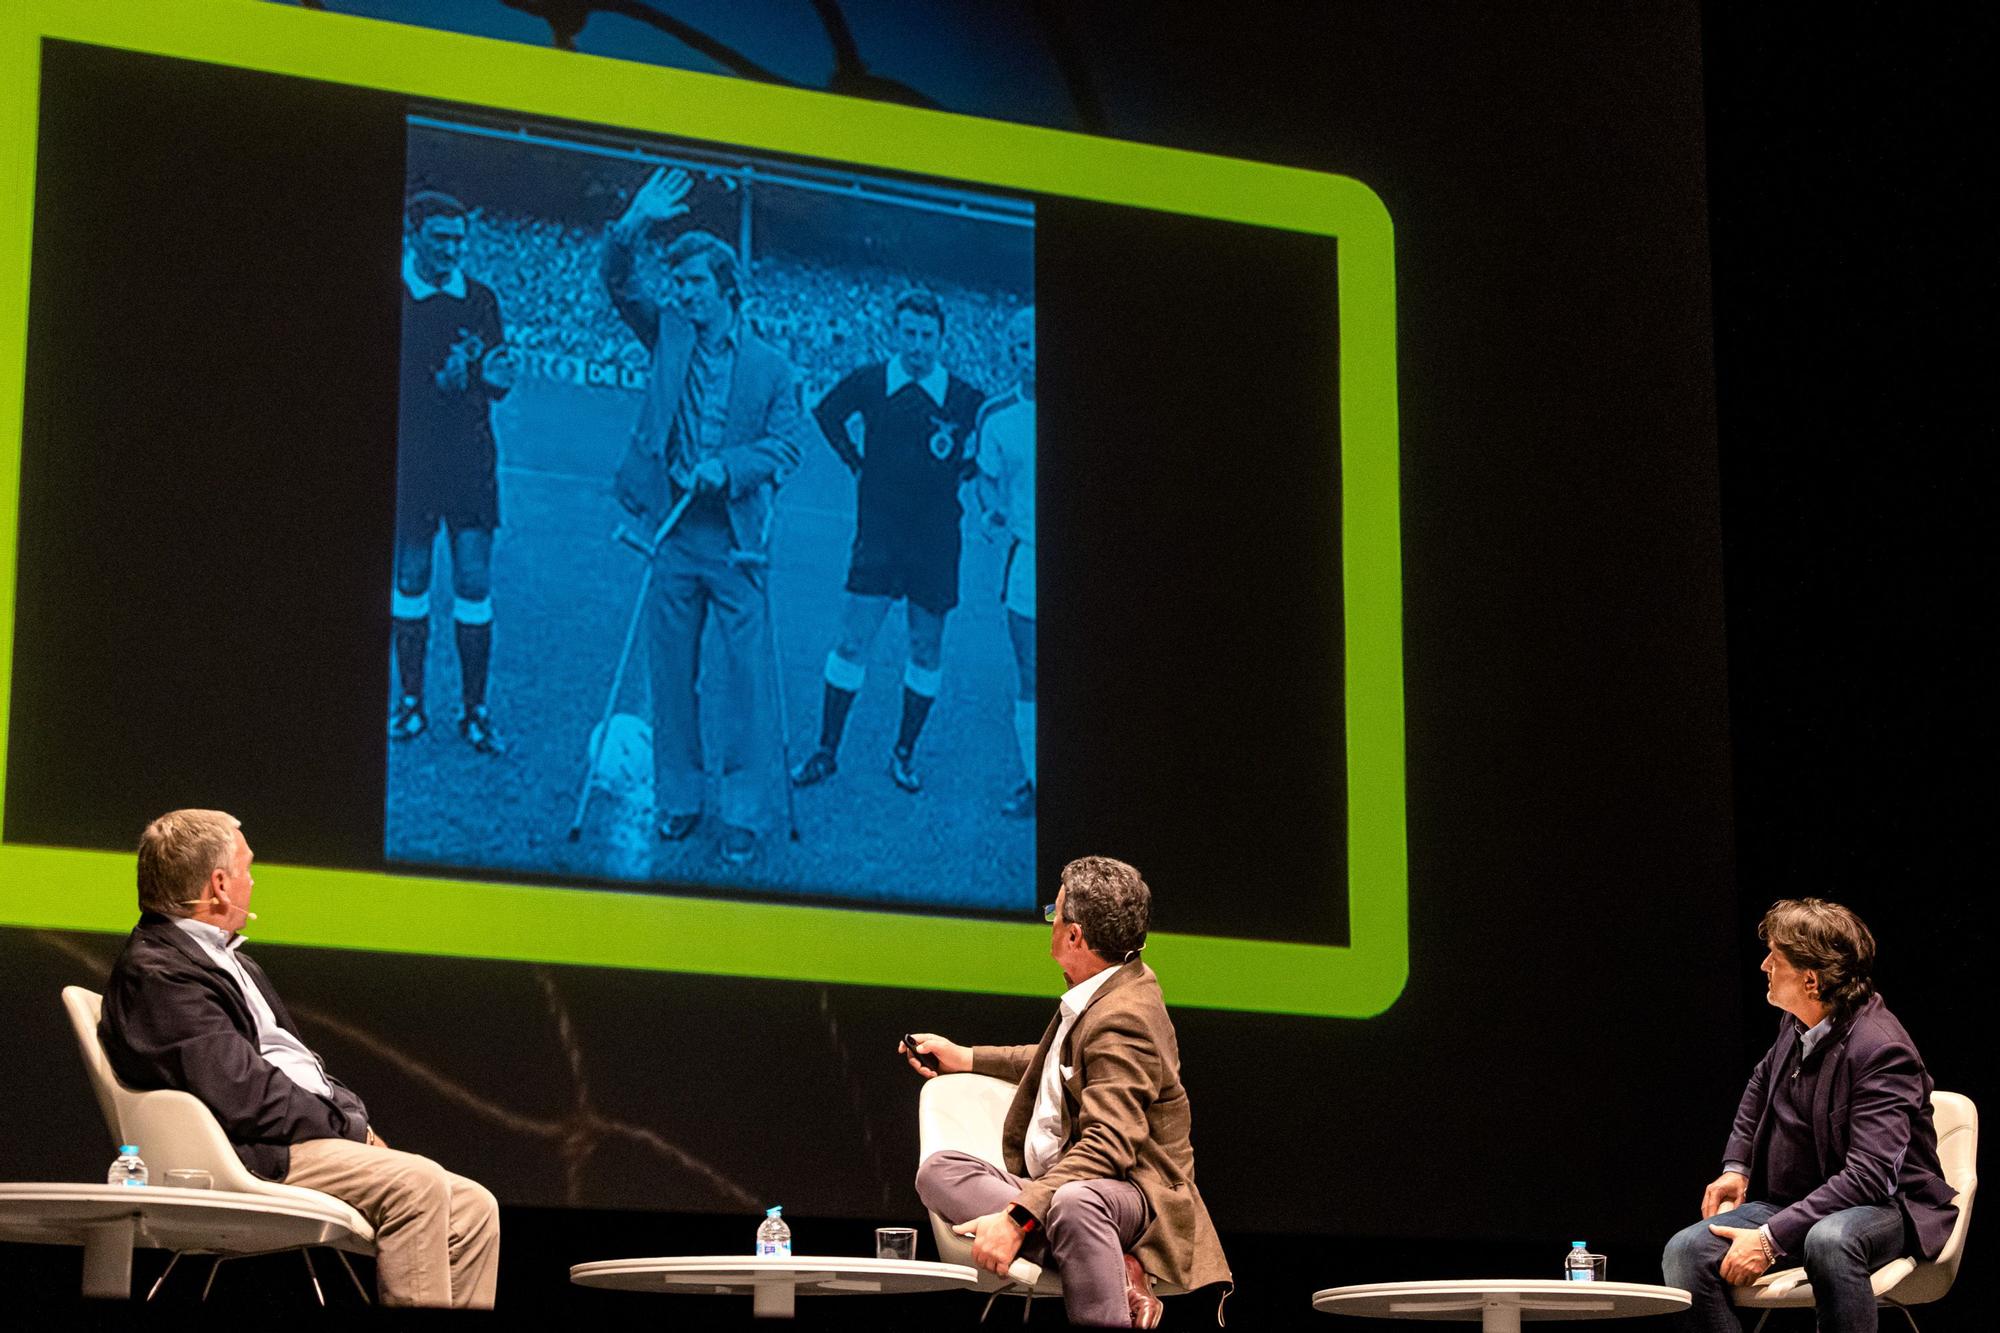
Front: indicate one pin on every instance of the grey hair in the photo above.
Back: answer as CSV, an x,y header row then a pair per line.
x,y
178,852
1110,903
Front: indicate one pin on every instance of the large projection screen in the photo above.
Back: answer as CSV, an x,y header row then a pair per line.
x,y
80,889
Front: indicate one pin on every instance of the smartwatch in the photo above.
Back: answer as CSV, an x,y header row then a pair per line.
x,y
1022,1218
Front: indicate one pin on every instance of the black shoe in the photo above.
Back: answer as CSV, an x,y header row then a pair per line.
x,y
739,845
676,828
408,721
1021,805
476,725
817,767
900,771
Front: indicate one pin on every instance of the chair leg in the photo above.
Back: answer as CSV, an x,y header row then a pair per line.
x,y
312,1273
988,1308
1027,1304
1907,1315
213,1269
161,1280
366,1299
1762,1320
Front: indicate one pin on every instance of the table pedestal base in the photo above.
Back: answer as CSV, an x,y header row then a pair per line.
x,y
774,1300
107,1259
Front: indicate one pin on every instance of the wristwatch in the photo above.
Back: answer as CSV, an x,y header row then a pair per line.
x,y
1022,1218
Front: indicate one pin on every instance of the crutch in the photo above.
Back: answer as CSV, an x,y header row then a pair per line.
x,y
624,536
747,561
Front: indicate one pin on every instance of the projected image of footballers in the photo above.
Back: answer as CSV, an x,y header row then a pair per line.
x,y
720,428
1005,452
456,364
904,429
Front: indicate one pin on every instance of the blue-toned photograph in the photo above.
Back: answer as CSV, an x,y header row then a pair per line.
x,y
715,535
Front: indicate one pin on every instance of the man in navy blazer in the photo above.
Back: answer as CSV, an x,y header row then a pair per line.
x,y
1833,1138
185,1009
720,425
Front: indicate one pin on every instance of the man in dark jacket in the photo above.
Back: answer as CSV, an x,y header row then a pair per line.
x,y
1833,1138
185,1009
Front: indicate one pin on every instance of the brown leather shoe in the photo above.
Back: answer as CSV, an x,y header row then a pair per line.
x,y
1146,1308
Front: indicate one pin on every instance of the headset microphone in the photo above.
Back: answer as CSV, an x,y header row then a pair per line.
x,y
223,898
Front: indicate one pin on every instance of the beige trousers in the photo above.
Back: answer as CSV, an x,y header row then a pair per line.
x,y
437,1235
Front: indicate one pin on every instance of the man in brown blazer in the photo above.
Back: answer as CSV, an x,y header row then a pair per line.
x,y
1100,1170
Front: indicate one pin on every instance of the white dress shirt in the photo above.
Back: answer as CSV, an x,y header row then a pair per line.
x,y
1043,1142
278,1046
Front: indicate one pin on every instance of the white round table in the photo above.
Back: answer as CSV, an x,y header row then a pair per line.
x,y
1500,1304
774,1284
110,1221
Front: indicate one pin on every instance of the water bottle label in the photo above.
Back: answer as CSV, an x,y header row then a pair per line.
x,y
1582,1275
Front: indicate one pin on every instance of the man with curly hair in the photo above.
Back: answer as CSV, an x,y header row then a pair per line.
x,y
1832,1162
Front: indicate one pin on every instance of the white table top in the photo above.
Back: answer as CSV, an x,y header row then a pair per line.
x,y
200,1221
1468,1298
810,1275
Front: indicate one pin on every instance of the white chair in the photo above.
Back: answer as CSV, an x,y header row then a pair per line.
x,y
174,1130
1902,1282
967,1112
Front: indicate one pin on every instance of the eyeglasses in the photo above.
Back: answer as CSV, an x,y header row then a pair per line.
x,y
1049,914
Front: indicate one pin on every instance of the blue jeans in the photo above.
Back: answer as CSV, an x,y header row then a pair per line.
x,y
1840,1252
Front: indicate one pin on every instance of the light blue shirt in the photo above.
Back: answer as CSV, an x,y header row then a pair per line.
x,y
279,1047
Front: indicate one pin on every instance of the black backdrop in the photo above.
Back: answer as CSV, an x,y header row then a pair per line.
x,y
1844,372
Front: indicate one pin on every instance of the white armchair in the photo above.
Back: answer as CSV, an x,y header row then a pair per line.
x,y
173,1130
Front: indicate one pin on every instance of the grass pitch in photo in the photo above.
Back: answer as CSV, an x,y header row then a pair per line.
x,y
715,546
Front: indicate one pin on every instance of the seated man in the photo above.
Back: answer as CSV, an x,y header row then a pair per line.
x,y
1833,1139
1100,1176
185,1009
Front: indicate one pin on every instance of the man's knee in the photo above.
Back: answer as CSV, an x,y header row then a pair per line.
x,y
474,1205
1076,1205
418,1184
936,1174
1692,1253
1834,1243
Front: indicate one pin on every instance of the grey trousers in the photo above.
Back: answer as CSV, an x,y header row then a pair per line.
x,y
695,582
437,1235
1090,1226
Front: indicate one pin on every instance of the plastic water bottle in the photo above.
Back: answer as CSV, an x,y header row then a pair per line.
x,y
774,1238
1580,1265
129,1169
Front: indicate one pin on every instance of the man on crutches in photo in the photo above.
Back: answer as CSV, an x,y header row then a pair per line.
x,y
719,429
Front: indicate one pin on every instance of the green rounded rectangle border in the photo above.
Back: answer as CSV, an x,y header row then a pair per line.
x,y
59,888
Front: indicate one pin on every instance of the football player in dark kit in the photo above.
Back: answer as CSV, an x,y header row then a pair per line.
x,y
455,366
904,427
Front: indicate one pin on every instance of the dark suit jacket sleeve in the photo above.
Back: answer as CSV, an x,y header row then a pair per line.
x,y
1888,1096
842,401
1742,1145
175,1033
492,331
1121,1079
774,454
